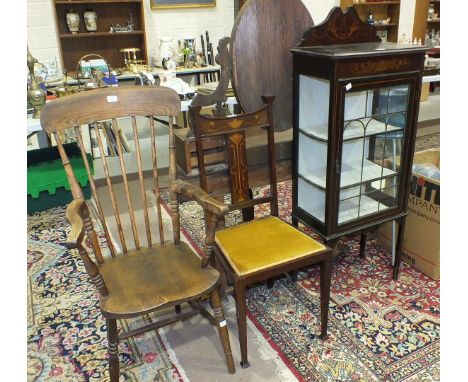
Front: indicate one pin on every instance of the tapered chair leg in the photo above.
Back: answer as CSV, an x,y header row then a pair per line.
x,y
325,283
113,348
222,329
242,322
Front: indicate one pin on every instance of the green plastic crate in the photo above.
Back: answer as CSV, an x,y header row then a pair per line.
x,y
47,181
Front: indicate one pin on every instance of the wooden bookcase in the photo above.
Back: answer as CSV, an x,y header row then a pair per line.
x,y
103,42
380,10
421,22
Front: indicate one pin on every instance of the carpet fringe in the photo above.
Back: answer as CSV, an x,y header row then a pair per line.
x,y
267,353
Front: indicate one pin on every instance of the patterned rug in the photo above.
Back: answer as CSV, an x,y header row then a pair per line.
x,y
379,329
67,338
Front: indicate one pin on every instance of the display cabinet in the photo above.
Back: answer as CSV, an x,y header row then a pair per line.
x,y
355,101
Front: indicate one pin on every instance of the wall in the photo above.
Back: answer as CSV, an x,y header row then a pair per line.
x,y
319,8
41,32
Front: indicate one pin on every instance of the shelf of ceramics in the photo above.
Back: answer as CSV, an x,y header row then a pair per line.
x,y
100,34
383,26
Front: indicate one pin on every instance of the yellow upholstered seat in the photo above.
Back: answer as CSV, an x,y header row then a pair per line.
x,y
264,243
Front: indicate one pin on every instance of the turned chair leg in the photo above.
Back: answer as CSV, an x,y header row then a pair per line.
x,y
325,283
222,329
242,322
113,348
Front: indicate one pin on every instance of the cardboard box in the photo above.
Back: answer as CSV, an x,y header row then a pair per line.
x,y
421,243
424,91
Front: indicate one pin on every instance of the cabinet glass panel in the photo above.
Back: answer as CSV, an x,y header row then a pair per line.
x,y
313,136
373,133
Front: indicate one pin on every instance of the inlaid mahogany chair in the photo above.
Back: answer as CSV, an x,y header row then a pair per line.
x,y
149,275
263,248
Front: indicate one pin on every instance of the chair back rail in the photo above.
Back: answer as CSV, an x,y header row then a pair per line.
x,y
140,105
233,129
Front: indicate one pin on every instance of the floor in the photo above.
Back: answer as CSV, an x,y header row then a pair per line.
x,y
195,341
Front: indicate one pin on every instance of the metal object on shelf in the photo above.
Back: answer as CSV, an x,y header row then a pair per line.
x,y
132,63
35,94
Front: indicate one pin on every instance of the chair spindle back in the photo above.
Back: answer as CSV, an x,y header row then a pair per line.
x,y
110,105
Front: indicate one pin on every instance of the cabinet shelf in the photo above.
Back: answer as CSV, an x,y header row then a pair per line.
x,y
354,208
351,132
384,26
377,3
100,34
352,174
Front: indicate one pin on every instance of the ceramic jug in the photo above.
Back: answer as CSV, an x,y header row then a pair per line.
x,y
165,47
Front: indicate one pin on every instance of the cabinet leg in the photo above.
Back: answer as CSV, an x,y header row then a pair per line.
x,y
293,275
362,247
295,221
399,247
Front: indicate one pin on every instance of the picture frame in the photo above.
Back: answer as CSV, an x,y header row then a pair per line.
x,y
172,4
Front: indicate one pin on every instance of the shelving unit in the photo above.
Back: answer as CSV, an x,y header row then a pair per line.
x,y
102,42
380,10
421,21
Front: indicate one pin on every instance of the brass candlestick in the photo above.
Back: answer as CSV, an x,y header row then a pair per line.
x,y
36,95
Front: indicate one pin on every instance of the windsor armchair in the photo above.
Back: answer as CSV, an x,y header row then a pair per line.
x,y
266,247
148,276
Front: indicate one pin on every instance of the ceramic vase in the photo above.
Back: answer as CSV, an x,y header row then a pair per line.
x,y
73,21
90,20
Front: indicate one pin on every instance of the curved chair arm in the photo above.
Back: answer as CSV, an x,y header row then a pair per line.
x,y
74,216
197,194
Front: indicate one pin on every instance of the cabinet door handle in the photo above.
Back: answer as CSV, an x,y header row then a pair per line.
x,y
337,167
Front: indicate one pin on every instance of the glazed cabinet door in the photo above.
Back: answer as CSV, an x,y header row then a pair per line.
x,y
374,127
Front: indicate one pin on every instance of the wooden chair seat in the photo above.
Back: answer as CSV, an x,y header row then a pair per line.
x,y
143,280
274,243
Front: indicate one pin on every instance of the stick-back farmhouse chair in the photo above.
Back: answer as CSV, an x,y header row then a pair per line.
x,y
148,275
257,250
